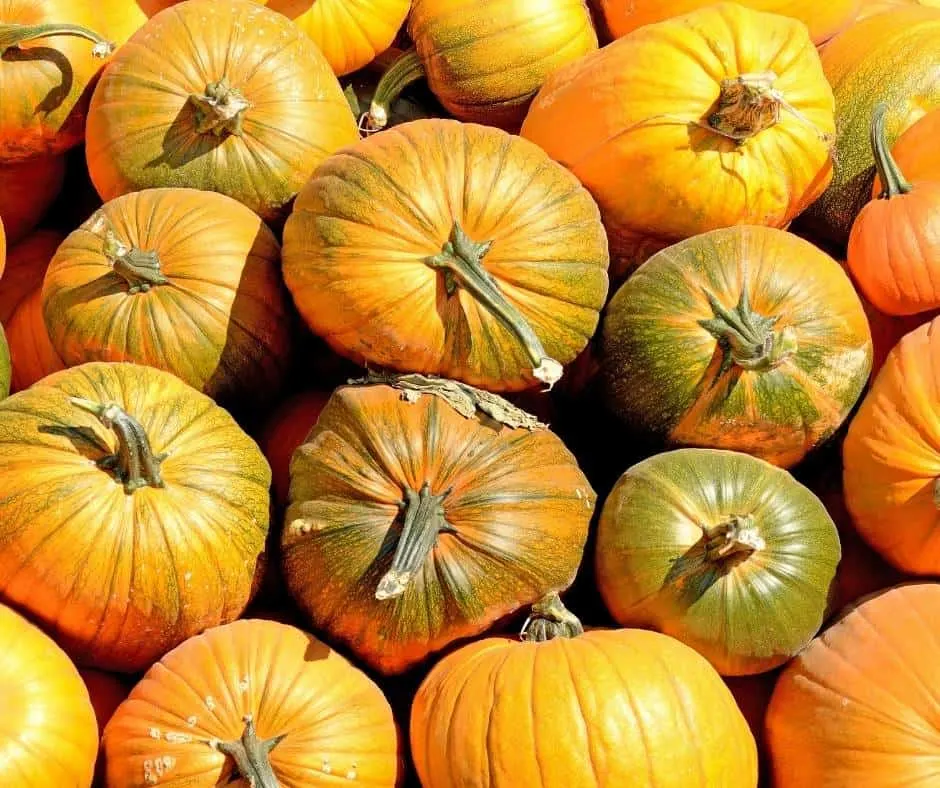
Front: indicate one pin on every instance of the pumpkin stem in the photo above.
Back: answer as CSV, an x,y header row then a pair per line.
x,y
220,110
424,520
462,263
134,464
748,104
13,34
550,619
251,755
140,269
406,70
746,338
893,182
737,537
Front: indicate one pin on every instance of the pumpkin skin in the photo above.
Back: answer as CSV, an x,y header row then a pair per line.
x,y
891,454
26,265
144,127
6,370
107,692
916,152
858,707
120,575
872,7
48,736
638,102
690,384
338,724
360,243
517,502
720,550
218,320
27,189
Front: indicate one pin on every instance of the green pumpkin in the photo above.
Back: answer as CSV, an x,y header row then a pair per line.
x,y
721,550
5,368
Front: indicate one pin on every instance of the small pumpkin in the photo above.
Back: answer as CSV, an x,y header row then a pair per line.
x,y
178,279
682,127
48,734
251,110
564,707
133,511
859,705
254,703
421,511
27,189
745,338
449,249
915,152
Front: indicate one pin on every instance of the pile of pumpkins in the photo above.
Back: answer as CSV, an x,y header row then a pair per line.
x,y
290,294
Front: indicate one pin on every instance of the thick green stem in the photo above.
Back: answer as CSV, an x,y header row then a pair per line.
x,y
738,537
550,619
406,70
220,110
251,756
423,521
134,463
461,260
140,269
893,182
13,34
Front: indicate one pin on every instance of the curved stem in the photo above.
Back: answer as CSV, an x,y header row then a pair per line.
x,y
893,182
220,110
134,464
738,537
550,619
13,34
461,260
140,269
407,69
251,755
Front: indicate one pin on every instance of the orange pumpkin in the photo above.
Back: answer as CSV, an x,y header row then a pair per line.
x,y
887,330
26,266
719,117
48,735
422,511
250,110
177,279
916,152
27,189
253,703
859,705
133,511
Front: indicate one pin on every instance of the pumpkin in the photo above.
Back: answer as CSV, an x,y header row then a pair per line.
x,y
179,279
720,550
891,455
872,7
915,151
26,265
745,338
894,246
120,19
486,59
255,703
133,511
563,707
887,330
27,189
890,58
251,110
681,127
107,692
6,370
48,735
421,511
859,705
451,249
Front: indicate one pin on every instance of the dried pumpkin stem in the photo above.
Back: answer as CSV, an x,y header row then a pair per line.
x,y
746,105
550,619
220,110
461,260
738,537
251,755
13,34
893,182
406,70
134,464
139,268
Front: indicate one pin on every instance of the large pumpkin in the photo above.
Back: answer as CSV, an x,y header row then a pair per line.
x,y
916,152
412,524
859,706
746,338
27,189
719,117
720,550
565,708
179,279
253,703
250,110
48,734
891,456
133,511
451,249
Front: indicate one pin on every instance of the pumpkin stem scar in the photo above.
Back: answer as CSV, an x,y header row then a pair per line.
x,y
461,260
423,521
406,70
134,463
220,110
893,182
140,269
738,537
550,619
12,35
251,755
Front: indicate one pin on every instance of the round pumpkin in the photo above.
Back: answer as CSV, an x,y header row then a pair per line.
x,y
916,153
254,703
27,189
745,338
48,735
859,705
558,708
133,511
178,279
719,117
891,456
250,110
451,249
434,509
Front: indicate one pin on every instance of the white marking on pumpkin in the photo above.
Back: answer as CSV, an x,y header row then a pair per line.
x,y
192,720
352,773
210,702
154,733
325,767
244,684
177,738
